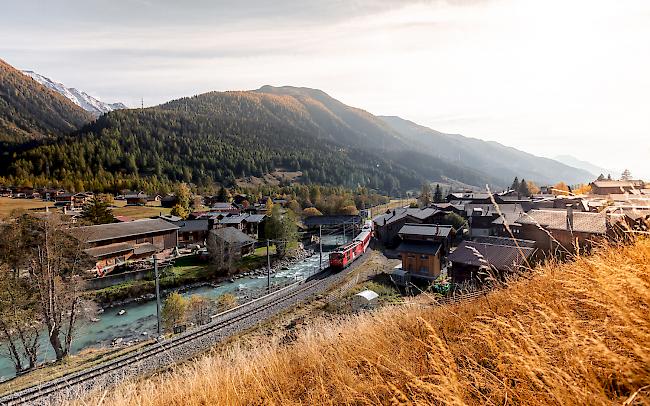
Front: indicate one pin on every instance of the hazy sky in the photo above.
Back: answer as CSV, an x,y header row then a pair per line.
x,y
547,76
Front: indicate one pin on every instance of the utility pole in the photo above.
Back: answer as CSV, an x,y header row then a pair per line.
x,y
320,247
155,270
268,267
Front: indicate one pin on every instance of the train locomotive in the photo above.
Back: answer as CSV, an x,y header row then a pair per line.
x,y
344,255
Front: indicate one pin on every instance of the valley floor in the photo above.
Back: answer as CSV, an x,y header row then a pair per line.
x,y
573,333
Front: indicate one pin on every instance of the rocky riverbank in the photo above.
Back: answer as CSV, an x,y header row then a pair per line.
x,y
277,266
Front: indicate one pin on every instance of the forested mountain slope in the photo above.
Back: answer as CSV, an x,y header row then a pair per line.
x,y
486,156
30,111
219,136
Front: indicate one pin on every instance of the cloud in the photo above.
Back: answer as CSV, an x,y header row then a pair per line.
x,y
541,76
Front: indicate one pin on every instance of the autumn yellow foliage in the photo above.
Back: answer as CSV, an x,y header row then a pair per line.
x,y
572,333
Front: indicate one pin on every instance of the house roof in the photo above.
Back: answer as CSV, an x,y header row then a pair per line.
x,y
109,249
500,257
255,218
421,214
105,232
429,230
232,219
616,183
223,206
391,217
419,247
169,217
505,241
140,195
491,210
188,226
583,222
233,235
509,217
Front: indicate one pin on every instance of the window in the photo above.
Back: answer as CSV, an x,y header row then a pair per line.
x,y
424,257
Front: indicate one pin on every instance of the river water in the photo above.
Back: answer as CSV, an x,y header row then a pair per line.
x,y
139,321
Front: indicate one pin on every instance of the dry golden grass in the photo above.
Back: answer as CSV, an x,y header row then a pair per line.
x,y
575,333
8,205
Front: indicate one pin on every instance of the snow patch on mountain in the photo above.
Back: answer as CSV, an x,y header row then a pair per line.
x,y
82,99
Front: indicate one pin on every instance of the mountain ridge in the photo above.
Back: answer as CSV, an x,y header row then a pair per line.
x,y
78,97
31,112
220,136
501,160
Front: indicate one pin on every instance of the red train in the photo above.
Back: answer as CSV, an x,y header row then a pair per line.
x,y
344,255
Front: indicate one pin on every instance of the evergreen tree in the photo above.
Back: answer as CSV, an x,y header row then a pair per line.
x,y
437,195
601,177
523,188
515,184
626,175
222,196
609,176
96,211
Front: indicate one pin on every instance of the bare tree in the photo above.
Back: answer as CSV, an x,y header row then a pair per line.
x,y
56,264
199,309
19,321
219,252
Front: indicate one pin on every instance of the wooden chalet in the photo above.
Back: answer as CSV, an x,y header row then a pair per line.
x,y
422,248
489,257
114,244
606,187
563,230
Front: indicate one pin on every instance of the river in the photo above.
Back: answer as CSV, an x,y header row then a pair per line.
x,y
139,321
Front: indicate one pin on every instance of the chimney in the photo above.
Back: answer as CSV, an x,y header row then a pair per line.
x,y
569,217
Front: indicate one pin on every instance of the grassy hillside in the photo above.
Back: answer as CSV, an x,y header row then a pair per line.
x,y
499,160
575,333
30,111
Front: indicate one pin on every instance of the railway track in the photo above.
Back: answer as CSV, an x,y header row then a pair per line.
x,y
161,354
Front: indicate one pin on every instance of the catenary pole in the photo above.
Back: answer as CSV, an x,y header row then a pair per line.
x,y
155,270
268,267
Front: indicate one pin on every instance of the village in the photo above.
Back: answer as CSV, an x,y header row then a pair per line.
x,y
448,246
460,240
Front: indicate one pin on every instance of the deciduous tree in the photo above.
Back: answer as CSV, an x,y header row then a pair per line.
x,y
174,311
199,309
56,265
311,211
426,196
226,301
281,228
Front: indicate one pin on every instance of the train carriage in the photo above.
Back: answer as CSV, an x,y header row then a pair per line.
x,y
344,255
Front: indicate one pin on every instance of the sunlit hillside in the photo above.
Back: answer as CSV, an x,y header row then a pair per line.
x,y
575,333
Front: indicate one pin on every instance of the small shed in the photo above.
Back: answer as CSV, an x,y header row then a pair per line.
x,y
366,299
